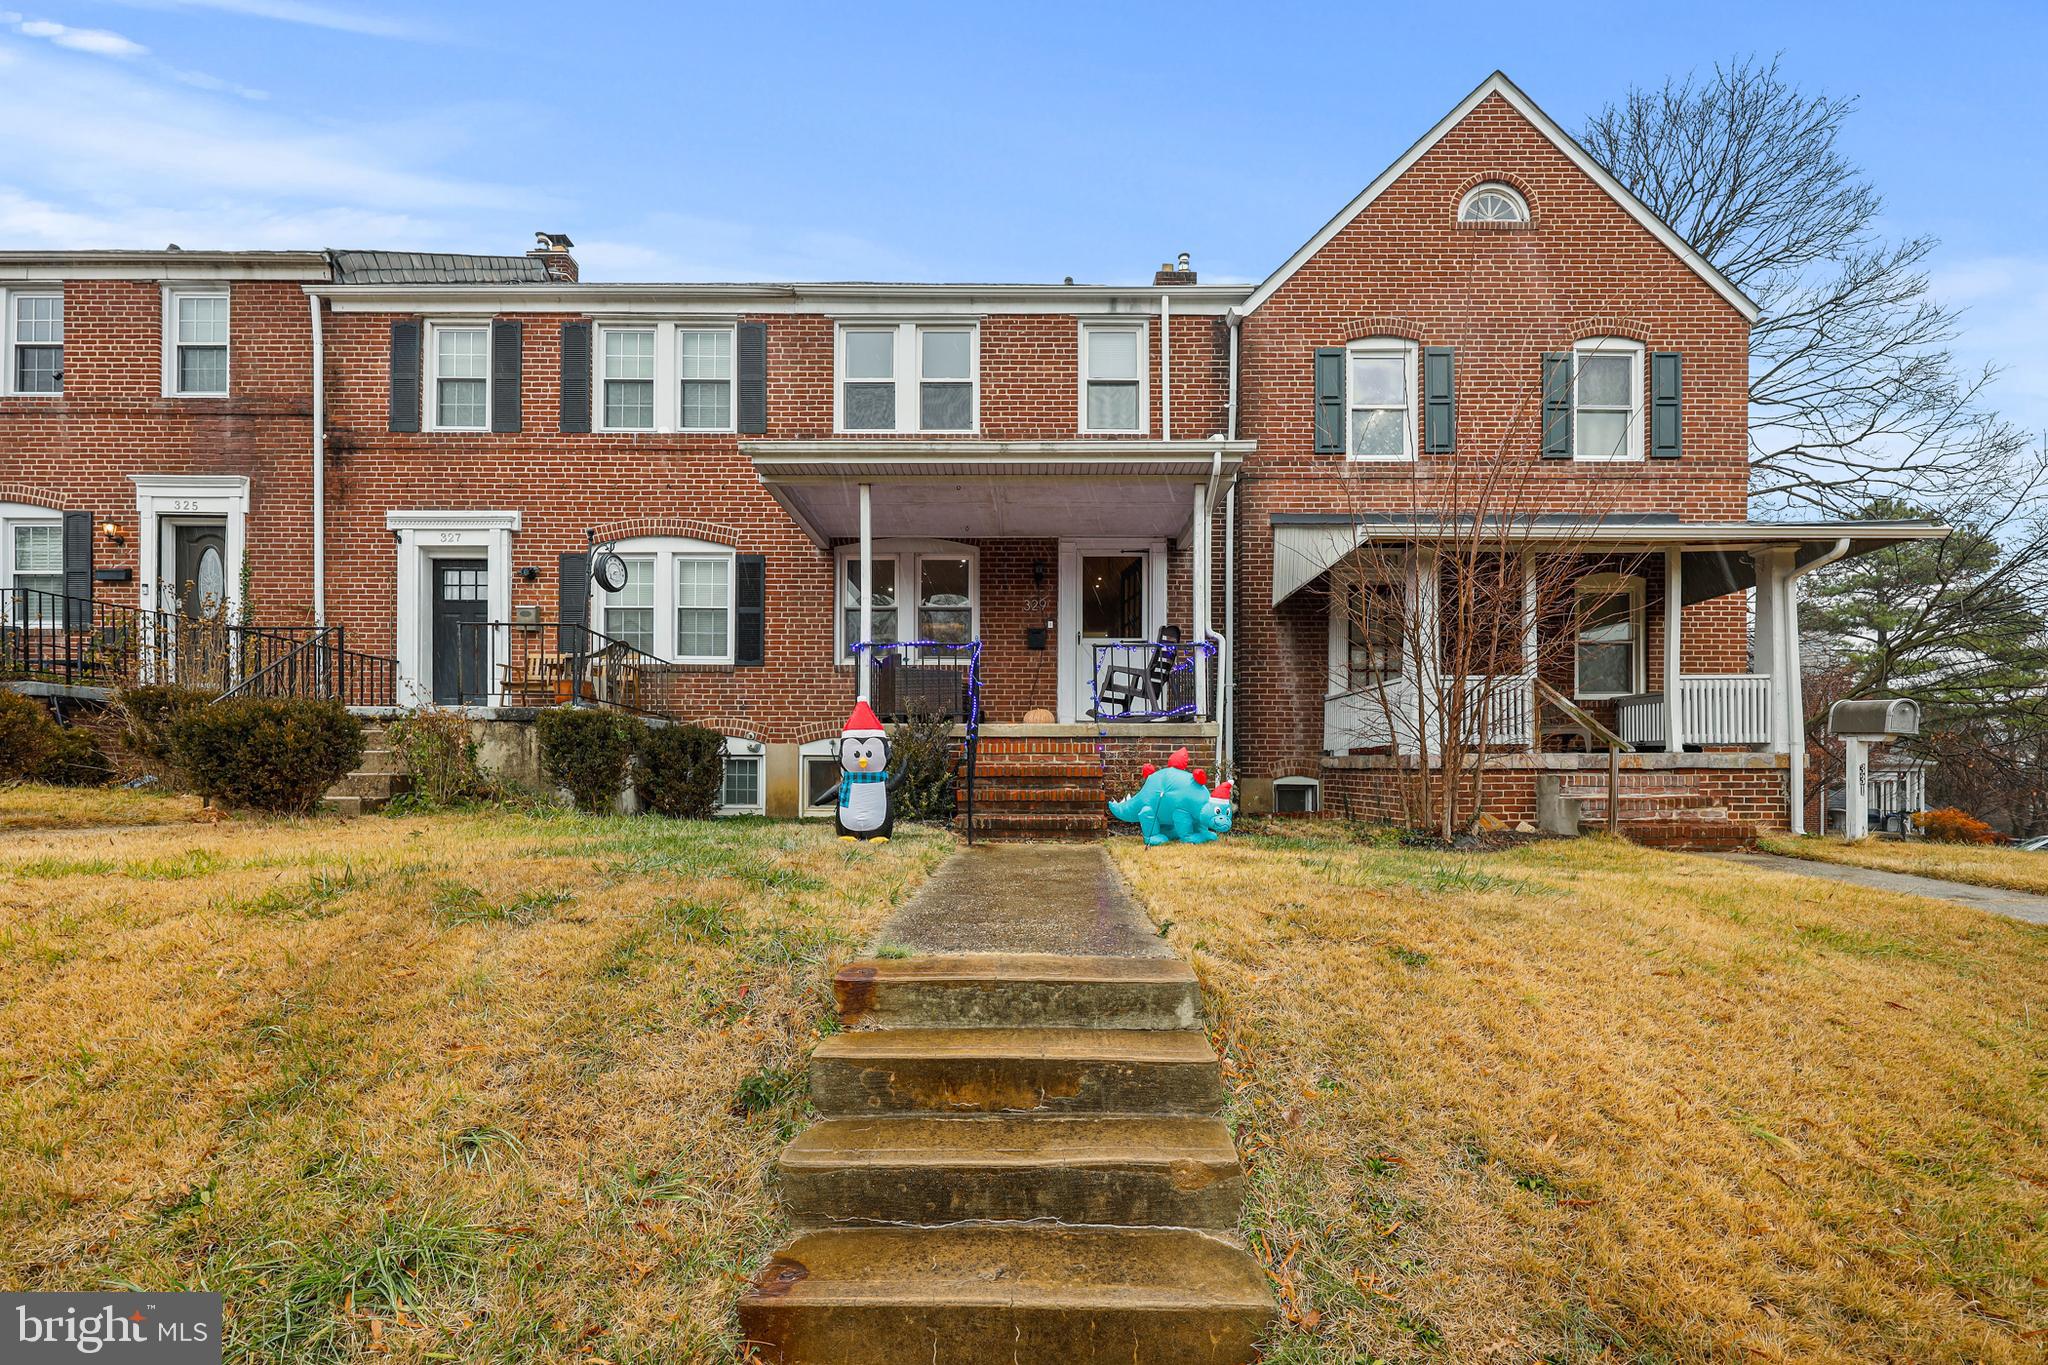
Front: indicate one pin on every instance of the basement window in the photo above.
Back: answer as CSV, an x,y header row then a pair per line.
x,y
1297,796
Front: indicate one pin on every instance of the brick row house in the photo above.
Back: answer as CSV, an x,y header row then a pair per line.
x,y
1144,512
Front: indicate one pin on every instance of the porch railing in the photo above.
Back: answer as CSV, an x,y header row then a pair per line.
x,y
92,642
1713,708
931,677
548,663
1499,710
1153,680
323,668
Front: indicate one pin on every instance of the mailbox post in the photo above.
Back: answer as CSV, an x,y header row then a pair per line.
x,y
1860,724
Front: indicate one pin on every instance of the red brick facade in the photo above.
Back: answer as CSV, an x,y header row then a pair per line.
x,y
1501,295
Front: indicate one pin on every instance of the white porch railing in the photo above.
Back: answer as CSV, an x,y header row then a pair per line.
x,y
1714,708
1372,719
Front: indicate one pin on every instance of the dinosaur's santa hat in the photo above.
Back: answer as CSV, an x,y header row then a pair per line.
x,y
863,723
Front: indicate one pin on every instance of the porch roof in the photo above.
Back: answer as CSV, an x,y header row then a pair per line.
x,y
1716,552
975,489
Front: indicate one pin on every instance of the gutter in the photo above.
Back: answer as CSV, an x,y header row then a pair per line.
x,y
1795,690
319,463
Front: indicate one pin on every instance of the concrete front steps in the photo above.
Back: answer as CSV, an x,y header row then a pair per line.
x,y
1661,810
1017,1159
377,778
1036,789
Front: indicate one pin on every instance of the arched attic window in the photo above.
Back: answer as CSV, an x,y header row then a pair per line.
x,y
1493,202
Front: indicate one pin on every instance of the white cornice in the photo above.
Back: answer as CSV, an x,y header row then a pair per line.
x,y
452,521
163,265
726,300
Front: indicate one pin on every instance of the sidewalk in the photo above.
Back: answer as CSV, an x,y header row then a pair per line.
x,y
1997,900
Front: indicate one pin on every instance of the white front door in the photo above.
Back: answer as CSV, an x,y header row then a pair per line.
x,y
1110,594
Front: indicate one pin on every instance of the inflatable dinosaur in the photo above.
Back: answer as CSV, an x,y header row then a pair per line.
x,y
1172,803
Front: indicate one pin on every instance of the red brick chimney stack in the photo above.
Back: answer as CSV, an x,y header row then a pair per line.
x,y
553,252
1175,272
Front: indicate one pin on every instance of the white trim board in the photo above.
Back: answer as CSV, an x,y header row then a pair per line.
x,y
426,535
1499,84
200,497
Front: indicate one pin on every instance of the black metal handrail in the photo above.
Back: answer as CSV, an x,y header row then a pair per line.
x,y
322,668
943,678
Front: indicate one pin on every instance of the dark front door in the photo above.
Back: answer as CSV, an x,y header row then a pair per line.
x,y
461,606
199,566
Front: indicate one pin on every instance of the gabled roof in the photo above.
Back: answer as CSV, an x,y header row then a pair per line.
x,y
435,267
1499,84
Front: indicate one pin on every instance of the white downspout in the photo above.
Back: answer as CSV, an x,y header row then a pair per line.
x,y
1230,426
1795,692
867,584
1165,367
319,465
1226,685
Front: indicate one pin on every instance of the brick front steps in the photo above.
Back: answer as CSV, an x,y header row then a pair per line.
x,y
1018,1155
377,778
1037,789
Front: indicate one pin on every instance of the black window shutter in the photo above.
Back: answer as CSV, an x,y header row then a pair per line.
x,y
78,569
1666,404
1557,406
505,371
405,375
576,376
750,611
1329,400
753,378
572,602
1439,400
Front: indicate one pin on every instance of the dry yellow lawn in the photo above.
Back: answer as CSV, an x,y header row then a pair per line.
x,y
480,1087
31,806
1585,1102
1978,864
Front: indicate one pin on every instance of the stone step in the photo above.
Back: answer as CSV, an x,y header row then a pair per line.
x,y
1689,836
1135,1171
971,1294
374,787
1016,1071
1025,768
342,805
1013,990
379,760
1035,825
1036,801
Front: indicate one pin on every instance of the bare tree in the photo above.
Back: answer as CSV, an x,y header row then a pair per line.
x,y
1854,391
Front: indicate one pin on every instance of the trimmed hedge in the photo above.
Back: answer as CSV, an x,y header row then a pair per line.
x,y
682,771
588,752
28,738
268,754
77,760
146,716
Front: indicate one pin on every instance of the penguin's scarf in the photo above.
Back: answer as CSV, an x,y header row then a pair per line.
x,y
846,781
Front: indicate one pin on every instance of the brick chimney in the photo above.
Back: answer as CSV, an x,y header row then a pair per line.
x,y
1175,272
552,251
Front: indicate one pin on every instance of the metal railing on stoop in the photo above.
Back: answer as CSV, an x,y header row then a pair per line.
x,y
932,677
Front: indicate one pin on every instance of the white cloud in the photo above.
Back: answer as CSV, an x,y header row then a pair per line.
x,y
313,16
2005,298
98,41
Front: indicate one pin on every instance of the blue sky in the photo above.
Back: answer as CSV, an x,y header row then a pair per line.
x,y
955,142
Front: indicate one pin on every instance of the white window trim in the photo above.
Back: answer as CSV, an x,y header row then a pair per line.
x,y
172,293
1313,786
668,377
14,516
907,554
431,395
1144,333
1603,584
8,341
908,374
1610,346
737,746
1408,353
818,750
1499,187
424,536
667,552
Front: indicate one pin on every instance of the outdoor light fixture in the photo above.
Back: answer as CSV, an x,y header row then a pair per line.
x,y
529,574
112,531
1038,573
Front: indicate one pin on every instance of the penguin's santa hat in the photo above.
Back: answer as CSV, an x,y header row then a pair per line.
x,y
863,723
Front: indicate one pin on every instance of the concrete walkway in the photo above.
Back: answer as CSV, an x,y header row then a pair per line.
x,y
1025,898
1997,900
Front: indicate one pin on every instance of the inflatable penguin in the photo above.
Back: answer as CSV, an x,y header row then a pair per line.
x,y
866,810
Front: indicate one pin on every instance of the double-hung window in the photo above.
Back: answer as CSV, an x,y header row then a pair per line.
x,y
923,590
35,562
1380,399
877,360
677,601
34,343
882,613
1112,378
740,794
668,377
629,378
196,343
1607,400
1610,636
461,359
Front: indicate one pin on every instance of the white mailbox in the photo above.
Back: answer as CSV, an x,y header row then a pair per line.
x,y
1860,724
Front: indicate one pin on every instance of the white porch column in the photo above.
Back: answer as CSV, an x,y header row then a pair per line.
x,y
1674,614
867,583
1426,588
1767,647
1198,576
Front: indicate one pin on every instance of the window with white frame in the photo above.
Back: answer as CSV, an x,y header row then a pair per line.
x,y
35,564
874,360
1112,377
665,377
820,771
740,793
1297,795
1607,400
1609,659
34,343
628,360
676,603
196,343
461,381
1493,202
1380,399
934,585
